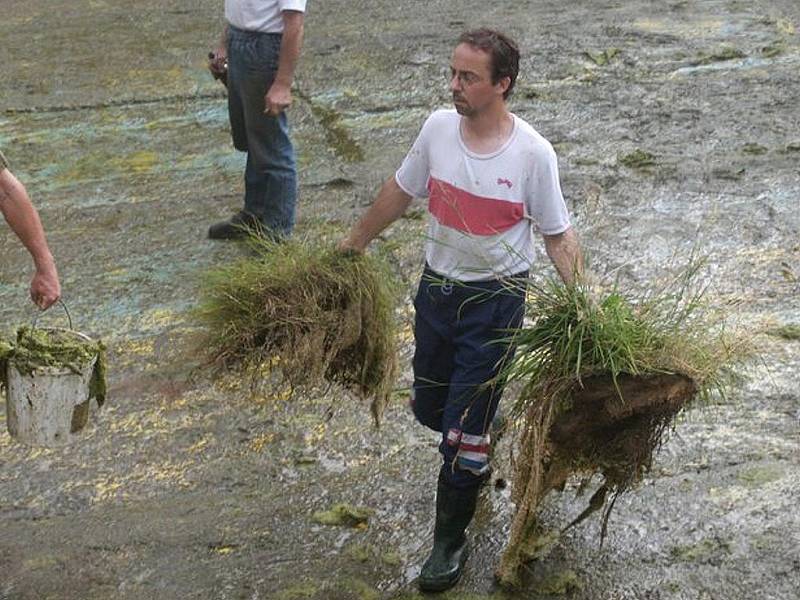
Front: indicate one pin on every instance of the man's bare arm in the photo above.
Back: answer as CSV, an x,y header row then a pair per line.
x,y
279,95
565,252
24,221
389,206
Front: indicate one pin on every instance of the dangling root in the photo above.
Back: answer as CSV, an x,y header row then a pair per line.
x,y
587,430
529,487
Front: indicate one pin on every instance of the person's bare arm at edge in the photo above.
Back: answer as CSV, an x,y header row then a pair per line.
x,y
23,219
565,252
279,95
389,206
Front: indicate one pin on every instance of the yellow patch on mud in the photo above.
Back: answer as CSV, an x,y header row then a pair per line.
x,y
158,318
200,445
40,452
172,474
141,347
260,442
93,166
155,79
230,383
317,434
159,421
140,424
40,562
106,490
139,162
698,28
785,26
729,497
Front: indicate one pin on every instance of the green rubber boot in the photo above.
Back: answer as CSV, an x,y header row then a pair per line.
x,y
454,510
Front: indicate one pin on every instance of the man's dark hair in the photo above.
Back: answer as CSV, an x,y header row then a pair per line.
x,y
502,50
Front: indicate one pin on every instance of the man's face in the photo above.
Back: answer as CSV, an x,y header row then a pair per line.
x,y
471,81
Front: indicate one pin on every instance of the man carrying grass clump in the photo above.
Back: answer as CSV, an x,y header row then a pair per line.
x,y
489,177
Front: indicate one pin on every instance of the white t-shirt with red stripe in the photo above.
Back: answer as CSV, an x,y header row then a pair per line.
x,y
482,206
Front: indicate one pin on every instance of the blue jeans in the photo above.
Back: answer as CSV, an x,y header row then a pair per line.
x,y
460,350
270,178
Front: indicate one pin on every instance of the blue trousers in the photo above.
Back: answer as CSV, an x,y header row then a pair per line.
x,y
460,350
270,177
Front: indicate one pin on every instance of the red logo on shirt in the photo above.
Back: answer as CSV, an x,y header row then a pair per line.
x,y
477,215
501,181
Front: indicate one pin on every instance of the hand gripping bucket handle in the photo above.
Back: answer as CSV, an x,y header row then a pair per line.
x,y
66,310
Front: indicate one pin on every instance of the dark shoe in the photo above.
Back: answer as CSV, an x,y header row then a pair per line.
x,y
239,226
454,510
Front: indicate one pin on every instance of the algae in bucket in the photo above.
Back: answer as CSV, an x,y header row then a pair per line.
x,y
50,376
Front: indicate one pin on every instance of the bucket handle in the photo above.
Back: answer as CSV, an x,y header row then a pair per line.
x,y
66,310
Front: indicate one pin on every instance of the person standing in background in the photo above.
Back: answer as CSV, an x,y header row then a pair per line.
x,y
257,54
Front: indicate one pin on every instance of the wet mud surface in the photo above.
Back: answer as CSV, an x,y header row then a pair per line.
x,y
675,125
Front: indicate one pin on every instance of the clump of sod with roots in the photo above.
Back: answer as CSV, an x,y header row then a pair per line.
x,y
603,377
316,314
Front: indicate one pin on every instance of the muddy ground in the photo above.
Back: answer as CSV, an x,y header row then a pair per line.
x,y
182,487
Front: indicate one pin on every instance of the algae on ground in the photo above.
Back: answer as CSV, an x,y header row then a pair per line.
x,y
723,54
700,552
638,159
773,49
391,559
361,553
754,149
756,477
344,515
787,332
301,591
603,57
351,588
337,136
343,588
456,594
560,584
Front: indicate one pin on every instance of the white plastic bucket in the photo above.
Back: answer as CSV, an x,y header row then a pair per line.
x,y
50,405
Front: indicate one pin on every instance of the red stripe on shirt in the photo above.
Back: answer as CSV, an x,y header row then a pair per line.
x,y
482,449
467,212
